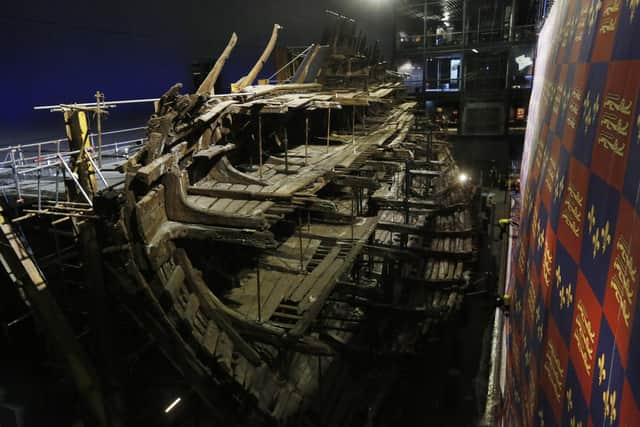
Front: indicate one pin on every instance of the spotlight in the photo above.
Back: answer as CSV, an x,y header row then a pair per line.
x,y
475,50
173,405
463,178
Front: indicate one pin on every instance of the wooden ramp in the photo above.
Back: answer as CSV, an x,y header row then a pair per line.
x,y
24,273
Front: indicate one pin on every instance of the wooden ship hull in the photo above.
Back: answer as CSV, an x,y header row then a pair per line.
x,y
283,243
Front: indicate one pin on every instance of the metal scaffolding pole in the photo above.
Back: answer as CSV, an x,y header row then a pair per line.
x,y
260,145
328,128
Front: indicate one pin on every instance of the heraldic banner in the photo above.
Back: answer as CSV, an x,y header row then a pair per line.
x,y
573,336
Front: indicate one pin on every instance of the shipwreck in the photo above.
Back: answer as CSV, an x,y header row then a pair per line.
x,y
282,242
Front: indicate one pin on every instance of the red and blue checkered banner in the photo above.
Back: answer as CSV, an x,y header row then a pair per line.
x,y
573,338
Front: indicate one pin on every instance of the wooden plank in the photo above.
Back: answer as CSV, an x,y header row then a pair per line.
x,y
240,367
299,292
201,202
239,188
247,295
210,340
249,207
192,306
278,294
326,279
259,194
224,350
220,205
235,206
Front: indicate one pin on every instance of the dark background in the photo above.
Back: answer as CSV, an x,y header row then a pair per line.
x,y
63,51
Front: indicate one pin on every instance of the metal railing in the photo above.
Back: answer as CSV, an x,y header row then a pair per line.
x,y
471,37
40,169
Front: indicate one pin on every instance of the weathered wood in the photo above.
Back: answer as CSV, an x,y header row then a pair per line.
x,y
178,208
250,78
208,85
243,195
357,182
214,151
309,281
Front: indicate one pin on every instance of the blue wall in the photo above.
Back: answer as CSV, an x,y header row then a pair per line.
x,y
63,51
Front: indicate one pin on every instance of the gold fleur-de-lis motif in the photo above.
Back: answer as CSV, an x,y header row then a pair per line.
x,y
601,236
605,236
569,394
609,399
566,296
596,242
586,105
541,236
596,106
539,332
591,217
593,14
541,417
591,110
574,423
602,372
638,121
558,276
558,189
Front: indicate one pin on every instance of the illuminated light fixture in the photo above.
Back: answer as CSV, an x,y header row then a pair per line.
x,y
406,67
474,50
523,62
463,178
173,405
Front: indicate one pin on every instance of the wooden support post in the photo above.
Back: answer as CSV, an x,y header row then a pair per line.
x,y
77,127
353,202
300,240
306,139
23,271
260,144
258,289
99,103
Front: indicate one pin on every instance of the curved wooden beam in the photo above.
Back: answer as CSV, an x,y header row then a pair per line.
x,y
223,171
207,86
301,75
251,77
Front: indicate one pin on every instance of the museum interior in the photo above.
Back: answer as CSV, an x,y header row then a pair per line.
x,y
349,213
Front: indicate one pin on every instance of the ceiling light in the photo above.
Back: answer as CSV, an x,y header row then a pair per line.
x,y
463,178
475,50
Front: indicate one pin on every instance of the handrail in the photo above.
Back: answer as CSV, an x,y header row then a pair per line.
x,y
56,141
75,180
38,159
